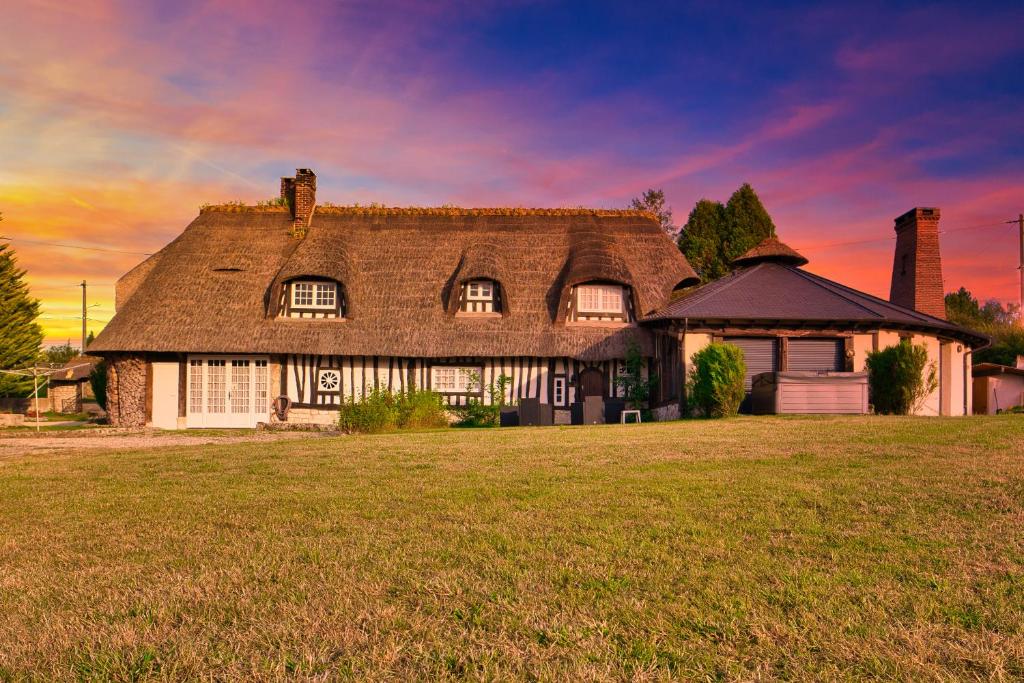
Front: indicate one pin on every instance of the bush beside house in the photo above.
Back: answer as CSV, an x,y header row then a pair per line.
x,y
900,378
715,385
383,411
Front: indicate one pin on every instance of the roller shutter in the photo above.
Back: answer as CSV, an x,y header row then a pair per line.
x,y
758,353
816,355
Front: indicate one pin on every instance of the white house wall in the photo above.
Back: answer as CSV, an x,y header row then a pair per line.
x,y
951,400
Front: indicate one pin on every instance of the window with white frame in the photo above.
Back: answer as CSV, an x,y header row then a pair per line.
x,y
320,295
480,296
559,391
453,379
479,290
599,299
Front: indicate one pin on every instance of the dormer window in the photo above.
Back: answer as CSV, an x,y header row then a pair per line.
x,y
312,299
480,297
599,299
314,295
600,303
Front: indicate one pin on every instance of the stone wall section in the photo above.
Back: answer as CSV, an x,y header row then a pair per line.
x,y
66,397
126,391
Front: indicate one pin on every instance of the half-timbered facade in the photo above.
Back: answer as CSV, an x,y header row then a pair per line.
x,y
281,313
259,314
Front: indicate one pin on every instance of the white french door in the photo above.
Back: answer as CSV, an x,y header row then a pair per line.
x,y
227,391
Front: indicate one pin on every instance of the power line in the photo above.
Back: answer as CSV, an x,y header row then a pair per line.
x,y
58,288
829,245
74,246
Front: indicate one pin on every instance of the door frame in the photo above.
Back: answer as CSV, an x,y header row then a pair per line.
x,y
579,383
226,419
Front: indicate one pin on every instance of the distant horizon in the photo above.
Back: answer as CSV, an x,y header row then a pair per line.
x,y
119,121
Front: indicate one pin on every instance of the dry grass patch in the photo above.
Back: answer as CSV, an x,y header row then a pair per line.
x,y
837,548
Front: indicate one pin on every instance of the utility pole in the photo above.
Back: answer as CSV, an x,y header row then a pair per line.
x,y
1020,311
35,391
83,315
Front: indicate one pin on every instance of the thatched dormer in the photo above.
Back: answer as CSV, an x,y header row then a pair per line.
x,y
396,269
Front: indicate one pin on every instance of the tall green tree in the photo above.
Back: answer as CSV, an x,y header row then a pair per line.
x,y
654,201
747,222
701,239
715,234
998,321
20,334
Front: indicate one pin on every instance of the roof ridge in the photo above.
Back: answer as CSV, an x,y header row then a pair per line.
x,y
698,296
358,210
818,280
903,309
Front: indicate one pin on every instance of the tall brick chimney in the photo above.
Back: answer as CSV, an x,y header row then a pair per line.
x,y
300,194
917,266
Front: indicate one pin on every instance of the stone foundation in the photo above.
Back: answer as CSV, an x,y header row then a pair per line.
x,y
126,391
311,416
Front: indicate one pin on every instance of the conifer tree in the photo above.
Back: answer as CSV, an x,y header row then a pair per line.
x,y
715,234
701,239
20,334
747,222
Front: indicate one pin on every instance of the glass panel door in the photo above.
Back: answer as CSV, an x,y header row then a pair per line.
x,y
240,387
216,386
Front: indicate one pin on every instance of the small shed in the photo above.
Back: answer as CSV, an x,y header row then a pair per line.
x,y
794,391
998,387
70,384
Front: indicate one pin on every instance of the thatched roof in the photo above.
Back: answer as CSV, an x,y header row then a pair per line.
x,y
770,249
215,288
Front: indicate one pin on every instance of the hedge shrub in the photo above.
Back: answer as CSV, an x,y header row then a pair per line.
x,y
479,413
900,378
715,384
382,411
98,382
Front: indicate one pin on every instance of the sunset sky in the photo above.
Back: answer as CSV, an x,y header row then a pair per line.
x,y
117,122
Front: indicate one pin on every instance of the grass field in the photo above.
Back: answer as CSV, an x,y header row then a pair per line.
x,y
818,548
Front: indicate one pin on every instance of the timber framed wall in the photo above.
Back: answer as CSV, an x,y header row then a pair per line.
x,y
530,377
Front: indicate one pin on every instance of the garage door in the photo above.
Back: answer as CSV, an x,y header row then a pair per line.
x,y
227,391
816,355
759,354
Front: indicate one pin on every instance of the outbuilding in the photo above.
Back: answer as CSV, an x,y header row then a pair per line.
x,y
998,387
787,319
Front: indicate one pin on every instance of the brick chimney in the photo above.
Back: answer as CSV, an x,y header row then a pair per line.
x,y
917,266
300,194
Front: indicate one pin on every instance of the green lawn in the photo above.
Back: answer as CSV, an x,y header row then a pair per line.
x,y
753,548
